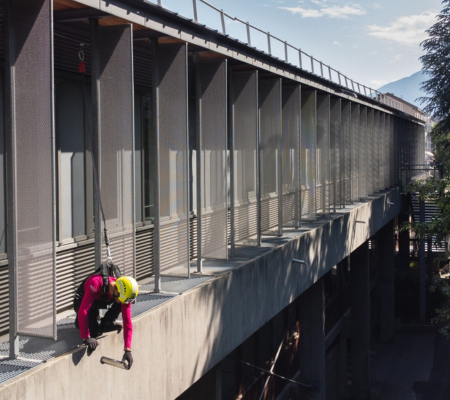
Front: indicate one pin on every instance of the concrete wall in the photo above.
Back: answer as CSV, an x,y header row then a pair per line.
x,y
179,341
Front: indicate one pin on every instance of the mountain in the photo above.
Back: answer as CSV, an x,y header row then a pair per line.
x,y
407,88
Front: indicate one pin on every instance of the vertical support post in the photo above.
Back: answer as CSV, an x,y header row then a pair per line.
x,y
194,5
312,337
222,18
269,49
286,51
96,145
248,34
156,171
312,64
11,179
199,164
329,73
387,295
300,58
258,173
280,164
360,304
231,134
423,270
321,69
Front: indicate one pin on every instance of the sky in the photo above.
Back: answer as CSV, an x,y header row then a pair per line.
x,y
372,42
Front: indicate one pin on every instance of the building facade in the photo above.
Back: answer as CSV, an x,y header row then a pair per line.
x,y
207,161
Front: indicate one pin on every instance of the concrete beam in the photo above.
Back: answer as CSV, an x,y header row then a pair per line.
x,y
178,342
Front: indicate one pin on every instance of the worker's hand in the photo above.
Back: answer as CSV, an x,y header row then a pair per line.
x,y
91,343
128,358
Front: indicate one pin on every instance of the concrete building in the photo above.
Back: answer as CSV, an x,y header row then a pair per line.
x,y
254,200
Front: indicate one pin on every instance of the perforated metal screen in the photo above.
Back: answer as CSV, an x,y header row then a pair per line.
x,y
376,151
335,148
244,151
116,142
269,92
387,147
172,122
346,151
382,151
31,239
308,154
291,154
323,153
363,152
355,137
212,148
370,153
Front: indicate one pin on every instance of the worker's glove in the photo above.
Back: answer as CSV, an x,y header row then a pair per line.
x,y
128,358
110,326
91,343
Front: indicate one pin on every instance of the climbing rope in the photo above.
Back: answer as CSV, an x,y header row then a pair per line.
x,y
82,71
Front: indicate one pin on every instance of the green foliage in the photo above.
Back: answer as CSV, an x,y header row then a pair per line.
x,y
441,288
437,191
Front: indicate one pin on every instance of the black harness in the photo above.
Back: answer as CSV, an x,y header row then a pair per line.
x,y
106,270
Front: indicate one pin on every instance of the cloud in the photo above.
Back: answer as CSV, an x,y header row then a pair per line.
x,y
377,6
337,43
407,31
397,57
332,12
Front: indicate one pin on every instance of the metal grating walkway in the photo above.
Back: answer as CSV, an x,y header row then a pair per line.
x,y
35,351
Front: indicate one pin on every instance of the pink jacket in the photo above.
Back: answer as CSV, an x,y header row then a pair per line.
x,y
92,291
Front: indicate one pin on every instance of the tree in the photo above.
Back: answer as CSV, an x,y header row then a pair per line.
x,y
436,62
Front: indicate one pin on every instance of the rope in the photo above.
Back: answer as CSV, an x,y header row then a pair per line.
x,y
82,70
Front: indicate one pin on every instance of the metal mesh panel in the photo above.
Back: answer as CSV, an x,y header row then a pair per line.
x,y
363,152
323,152
116,141
171,63
396,151
212,122
346,151
270,123
370,151
376,152
387,149
32,223
244,101
290,156
382,151
308,154
355,134
335,148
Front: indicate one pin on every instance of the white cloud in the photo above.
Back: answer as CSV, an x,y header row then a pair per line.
x,y
377,6
407,31
332,12
397,57
337,43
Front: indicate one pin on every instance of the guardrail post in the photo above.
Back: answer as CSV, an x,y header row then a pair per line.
x,y
268,43
329,73
248,34
300,58
194,5
321,69
312,64
224,31
339,77
285,51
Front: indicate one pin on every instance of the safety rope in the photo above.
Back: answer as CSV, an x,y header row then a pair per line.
x,y
82,71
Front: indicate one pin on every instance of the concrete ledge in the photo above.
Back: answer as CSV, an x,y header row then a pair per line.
x,y
177,342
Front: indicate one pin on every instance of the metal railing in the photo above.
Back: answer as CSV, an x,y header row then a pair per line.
x,y
323,70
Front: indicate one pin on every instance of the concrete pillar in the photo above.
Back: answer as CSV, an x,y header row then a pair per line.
x,y
360,331
312,340
387,294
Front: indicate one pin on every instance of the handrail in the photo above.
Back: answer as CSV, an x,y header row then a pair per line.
x,y
341,78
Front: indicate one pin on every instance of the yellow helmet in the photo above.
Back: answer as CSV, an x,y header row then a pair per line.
x,y
128,289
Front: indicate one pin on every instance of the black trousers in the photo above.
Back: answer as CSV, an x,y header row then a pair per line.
x,y
96,324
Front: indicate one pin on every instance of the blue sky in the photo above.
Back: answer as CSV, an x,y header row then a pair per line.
x,y
372,42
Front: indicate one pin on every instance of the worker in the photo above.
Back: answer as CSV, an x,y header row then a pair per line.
x,y
105,292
